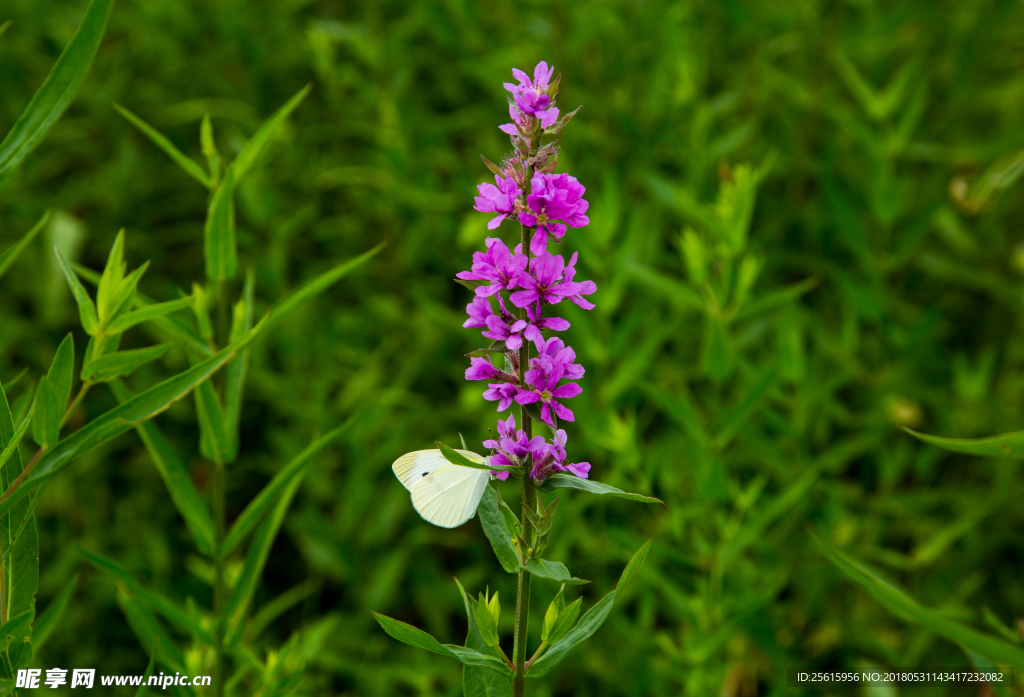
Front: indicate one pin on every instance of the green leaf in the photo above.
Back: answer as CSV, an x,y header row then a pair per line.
x,y
144,688
564,621
255,560
634,566
569,481
554,570
21,547
46,421
11,254
115,365
477,681
282,480
901,604
735,420
493,523
15,628
1009,445
235,373
485,623
147,313
589,623
456,458
48,619
187,500
141,408
165,606
286,305
153,637
776,298
62,371
254,148
86,309
12,442
184,161
280,605
214,442
57,91
407,634
220,247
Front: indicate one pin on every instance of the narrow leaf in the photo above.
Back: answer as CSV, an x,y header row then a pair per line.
x,y
146,314
776,298
214,442
1009,445
165,606
477,681
294,469
12,444
62,371
590,622
115,365
46,420
153,637
86,309
456,458
235,373
48,619
493,523
568,481
255,561
187,500
407,634
554,570
183,160
144,687
287,304
634,566
564,621
15,628
141,408
254,148
57,91
220,247
898,602
10,255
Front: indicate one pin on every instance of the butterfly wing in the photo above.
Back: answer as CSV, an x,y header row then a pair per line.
x,y
449,495
412,467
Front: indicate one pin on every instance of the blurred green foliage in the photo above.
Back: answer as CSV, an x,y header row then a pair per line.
x,y
873,127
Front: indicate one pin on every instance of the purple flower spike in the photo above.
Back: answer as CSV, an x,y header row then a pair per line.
x,y
531,95
554,197
543,387
550,458
499,199
497,265
512,446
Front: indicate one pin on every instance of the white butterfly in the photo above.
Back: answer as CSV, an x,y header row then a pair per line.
x,y
444,494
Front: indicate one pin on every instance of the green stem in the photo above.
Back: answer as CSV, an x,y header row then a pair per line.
x,y
218,486
529,492
77,402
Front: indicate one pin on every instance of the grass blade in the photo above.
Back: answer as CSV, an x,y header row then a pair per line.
x,y
184,161
57,90
187,500
294,469
1010,445
10,255
219,244
254,148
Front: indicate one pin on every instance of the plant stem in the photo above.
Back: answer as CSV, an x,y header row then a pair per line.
x,y
77,402
529,493
218,486
538,652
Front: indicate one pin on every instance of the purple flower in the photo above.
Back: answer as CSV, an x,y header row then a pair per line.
x,y
542,382
520,121
497,265
499,199
482,369
545,282
553,356
550,458
512,446
503,393
553,197
479,311
531,95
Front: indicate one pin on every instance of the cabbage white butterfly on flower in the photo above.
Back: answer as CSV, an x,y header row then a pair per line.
x,y
445,494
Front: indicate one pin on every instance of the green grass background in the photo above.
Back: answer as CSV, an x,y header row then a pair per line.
x,y
914,320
